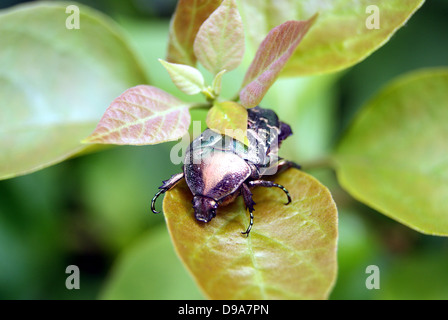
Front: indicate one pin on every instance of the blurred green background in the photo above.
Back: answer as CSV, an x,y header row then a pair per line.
x,y
93,211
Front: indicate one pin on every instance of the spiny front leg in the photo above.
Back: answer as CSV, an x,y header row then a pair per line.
x,y
276,167
283,165
269,184
167,185
247,196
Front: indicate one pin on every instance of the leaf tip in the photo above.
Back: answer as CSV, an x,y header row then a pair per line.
x,y
92,139
313,19
165,63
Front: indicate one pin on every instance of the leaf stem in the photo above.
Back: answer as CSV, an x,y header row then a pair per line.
x,y
209,94
236,98
201,105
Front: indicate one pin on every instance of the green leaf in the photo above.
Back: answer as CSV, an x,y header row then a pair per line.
x,y
150,270
55,82
219,43
272,55
289,254
402,276
217,81
339,39
308,105
185,23
394,157
188,79
142,115
229,118
103,213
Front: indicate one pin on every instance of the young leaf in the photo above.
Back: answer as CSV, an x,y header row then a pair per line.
x,y
216,85
229,118
272,55
185,23
345,33
188,79
219,43
54,90
394,157
142,115
289,254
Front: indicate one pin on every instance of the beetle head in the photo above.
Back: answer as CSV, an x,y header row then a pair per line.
x,y
204,208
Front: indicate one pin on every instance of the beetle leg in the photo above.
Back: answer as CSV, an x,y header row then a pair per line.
x,y
277,167
250,225
247,196
283,165
266,183
167,185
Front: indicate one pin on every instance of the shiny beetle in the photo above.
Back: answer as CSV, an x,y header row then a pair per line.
x,y
218,168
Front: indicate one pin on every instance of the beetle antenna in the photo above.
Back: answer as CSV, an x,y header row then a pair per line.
x,y
153,201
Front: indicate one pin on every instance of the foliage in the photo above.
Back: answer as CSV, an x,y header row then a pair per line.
x,y
393,157
44,121
291,254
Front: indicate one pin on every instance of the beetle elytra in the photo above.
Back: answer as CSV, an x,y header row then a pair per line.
x,y
218,168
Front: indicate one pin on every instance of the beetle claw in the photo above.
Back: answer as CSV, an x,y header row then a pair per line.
x,y
250,225
289,197
153,201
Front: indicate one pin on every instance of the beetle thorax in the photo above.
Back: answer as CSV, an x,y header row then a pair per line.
x,y
213,173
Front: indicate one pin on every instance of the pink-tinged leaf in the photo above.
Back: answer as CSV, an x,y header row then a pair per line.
x,y
219,43
346,32
271,56
185,23
289,254
142,115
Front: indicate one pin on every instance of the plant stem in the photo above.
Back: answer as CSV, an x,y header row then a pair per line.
x,y
201,105
236,98
209,94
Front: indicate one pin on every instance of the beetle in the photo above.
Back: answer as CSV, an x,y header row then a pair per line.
x,y
218,168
